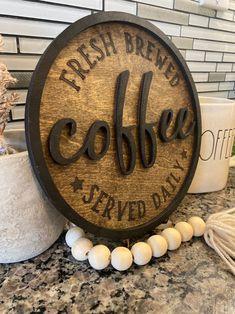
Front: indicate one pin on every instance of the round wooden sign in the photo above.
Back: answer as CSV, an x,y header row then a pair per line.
x,y
113,125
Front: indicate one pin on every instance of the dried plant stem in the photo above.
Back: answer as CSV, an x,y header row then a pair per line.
x,y
7,102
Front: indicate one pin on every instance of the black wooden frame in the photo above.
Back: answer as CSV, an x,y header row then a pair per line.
x,y
32,114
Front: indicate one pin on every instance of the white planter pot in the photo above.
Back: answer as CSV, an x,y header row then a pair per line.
x,y
28,224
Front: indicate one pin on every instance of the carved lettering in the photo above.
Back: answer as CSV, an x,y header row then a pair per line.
x,y
123,134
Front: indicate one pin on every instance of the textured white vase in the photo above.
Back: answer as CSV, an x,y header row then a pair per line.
x,y
28,224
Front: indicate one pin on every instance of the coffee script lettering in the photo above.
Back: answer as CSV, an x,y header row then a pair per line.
x,y
146,131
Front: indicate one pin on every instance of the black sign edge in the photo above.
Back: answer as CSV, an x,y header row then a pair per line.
x,y
33,133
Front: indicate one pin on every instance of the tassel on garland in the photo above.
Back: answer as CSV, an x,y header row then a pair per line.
x,y
220,235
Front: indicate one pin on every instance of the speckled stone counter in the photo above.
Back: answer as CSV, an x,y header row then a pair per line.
x,y
192,279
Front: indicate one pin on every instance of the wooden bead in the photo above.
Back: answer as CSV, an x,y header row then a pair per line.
x,y
99,256
185,229
158,245
81,248
142,253
172,237
73,234
198,226
121,258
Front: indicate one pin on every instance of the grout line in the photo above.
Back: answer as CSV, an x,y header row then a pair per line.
x,y
27,36
18,44
18,53
10,116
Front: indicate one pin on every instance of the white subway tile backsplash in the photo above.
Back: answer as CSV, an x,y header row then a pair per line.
x,y
33,45
232,5
193,7
41,11
200,77
215,94
9,44
207,87
222,25
18,112
195,55
204,33
159,14
198,20
120,5
226,86
224,67
231,94
226,15
168,29
94,4
160,3
229,57
15,125
230,77
22,96
216,76
205,37
183,43
19,62
201,66
213,56
183,53
30,28
213,45
22,93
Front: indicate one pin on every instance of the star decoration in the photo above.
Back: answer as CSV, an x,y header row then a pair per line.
x,y
184,154
77,184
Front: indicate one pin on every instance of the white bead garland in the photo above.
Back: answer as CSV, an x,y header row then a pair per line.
x,y
81,248
199,226
99,257
185,229
158,245
73,234
172,237
142,253
121,258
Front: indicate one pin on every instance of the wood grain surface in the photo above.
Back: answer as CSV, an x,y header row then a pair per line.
x,y
119,201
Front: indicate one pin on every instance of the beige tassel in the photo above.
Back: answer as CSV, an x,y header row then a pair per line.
x,y
220,235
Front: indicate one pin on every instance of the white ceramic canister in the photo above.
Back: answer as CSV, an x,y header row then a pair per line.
x,y
218,131
28,224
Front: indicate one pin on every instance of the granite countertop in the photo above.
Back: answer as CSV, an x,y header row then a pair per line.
x,y
192,279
